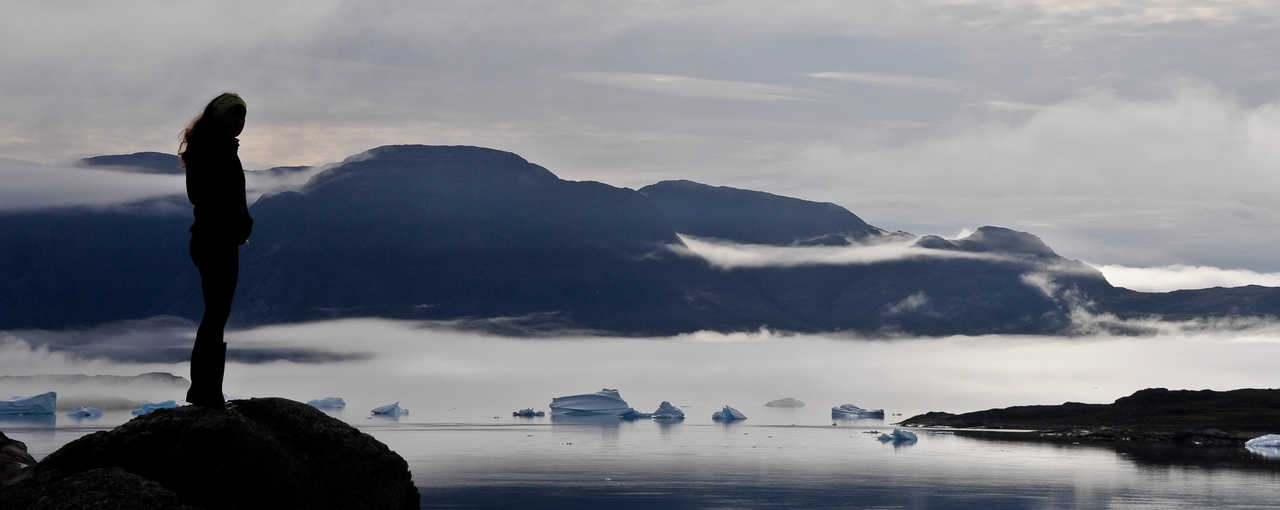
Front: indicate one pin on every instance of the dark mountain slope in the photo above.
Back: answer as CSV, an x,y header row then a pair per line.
x,y
417,231
142,162
755,217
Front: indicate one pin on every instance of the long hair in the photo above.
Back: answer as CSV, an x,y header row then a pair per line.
x,y
200,126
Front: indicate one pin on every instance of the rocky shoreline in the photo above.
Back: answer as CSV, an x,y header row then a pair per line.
x,y
255,453
1152,416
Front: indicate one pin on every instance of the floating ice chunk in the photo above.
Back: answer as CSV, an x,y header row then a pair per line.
x,y
850,411
392,409
527,412
784,402
606,402
898,437
82,412
666,411
1269,440
635,415
728,414
44,403
328,403
151,407
1266,446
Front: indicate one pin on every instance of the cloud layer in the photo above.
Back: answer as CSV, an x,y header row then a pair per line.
x,y
729,255
1178,277
1132,133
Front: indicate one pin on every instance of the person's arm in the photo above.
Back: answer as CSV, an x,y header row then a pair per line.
x,y
246,221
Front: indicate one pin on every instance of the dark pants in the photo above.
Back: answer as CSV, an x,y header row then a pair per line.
x,y
219,265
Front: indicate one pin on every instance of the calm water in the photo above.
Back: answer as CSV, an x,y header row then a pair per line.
x,y
465,450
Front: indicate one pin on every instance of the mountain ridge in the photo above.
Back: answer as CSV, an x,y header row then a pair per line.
x,y
463,232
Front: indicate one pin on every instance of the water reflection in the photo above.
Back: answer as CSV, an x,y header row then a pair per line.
x,y
28,421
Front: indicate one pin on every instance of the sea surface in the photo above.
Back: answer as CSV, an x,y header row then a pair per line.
x,y
466,450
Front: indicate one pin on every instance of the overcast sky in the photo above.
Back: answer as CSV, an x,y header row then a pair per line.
x,y
1127,133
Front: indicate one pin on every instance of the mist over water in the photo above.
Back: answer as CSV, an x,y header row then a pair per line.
x,y
466,450
445,374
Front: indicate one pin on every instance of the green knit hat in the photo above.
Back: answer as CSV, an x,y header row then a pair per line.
x,y
223,104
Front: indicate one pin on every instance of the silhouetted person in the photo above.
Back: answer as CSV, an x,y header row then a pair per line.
x,y
215,186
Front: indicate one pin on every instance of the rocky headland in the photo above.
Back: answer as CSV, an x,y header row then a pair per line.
x,y
1153,415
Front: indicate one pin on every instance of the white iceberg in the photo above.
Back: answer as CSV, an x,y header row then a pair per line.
x,y
728,414
392,409
898,437
606,402
151,407
82,412
1266,446
1267,441
666,411
328,403
850,411
44,403
527,412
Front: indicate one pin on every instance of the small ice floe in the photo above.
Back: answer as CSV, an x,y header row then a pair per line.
x,y
85,413
1267,446
666,411
728,414
44,403
784,402
328,403
606,402
898,437
392,409
852,412
527,412
151,407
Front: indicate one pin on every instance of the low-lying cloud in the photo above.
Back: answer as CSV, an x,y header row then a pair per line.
x,y
1180,277
729,255
156,340
33,186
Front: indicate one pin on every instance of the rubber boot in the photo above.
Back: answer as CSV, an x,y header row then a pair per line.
x,y
207,362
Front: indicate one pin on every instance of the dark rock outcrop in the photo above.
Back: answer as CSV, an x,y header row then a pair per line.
x,y
255,453
100,489
1204,417
14,460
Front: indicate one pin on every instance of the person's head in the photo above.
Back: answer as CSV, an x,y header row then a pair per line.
x,y
222,117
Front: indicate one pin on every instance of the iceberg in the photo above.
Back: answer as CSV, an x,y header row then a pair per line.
x,y
44,403
606,402
151,407
392,409
82,412
527,412
328,403
635,415
1267,446
666,411
728,414
898,437
1267,441
850,411
784,402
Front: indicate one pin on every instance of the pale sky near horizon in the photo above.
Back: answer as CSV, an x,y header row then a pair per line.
x,y
1127,133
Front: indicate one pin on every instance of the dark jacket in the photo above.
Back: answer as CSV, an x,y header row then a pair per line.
x,y
215,186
